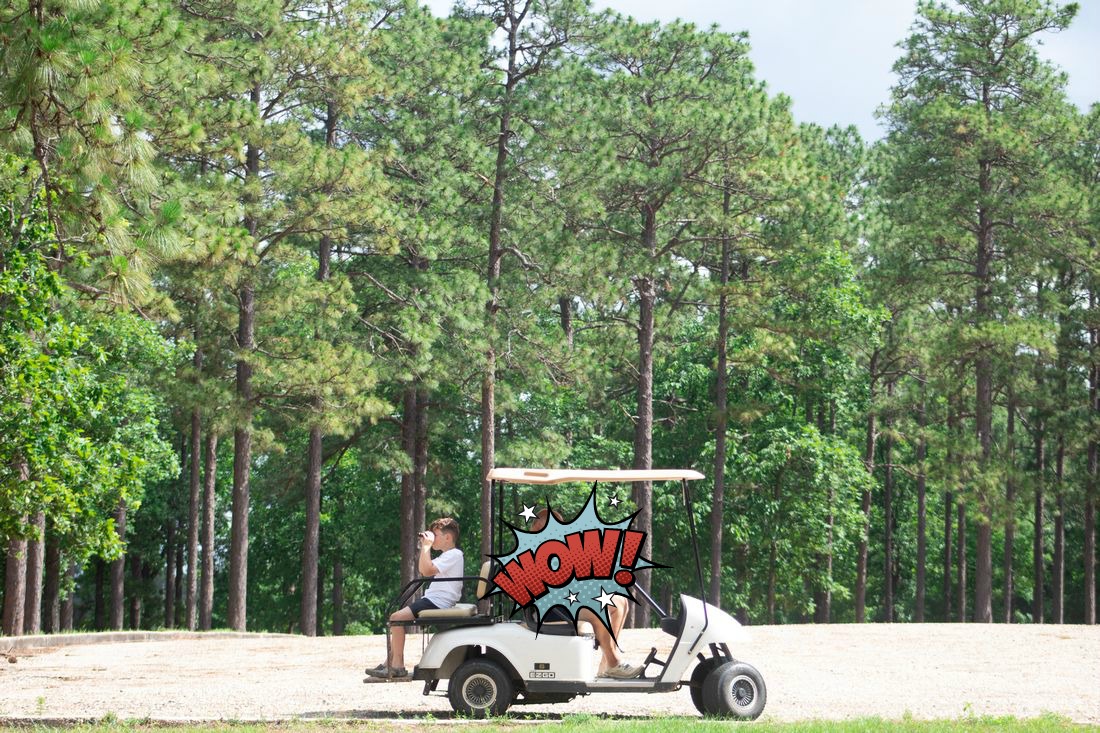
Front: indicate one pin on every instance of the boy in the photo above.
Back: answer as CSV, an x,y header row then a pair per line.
x,y
441,536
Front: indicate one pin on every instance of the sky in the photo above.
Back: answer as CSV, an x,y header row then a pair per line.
x,y
833,57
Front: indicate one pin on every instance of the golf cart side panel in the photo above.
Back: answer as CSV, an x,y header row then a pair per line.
x,y
532,656
700,628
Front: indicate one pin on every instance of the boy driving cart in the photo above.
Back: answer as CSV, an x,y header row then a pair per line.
x,y
441,536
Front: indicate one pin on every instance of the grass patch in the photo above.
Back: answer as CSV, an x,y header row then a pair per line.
x,y
861,725
581,723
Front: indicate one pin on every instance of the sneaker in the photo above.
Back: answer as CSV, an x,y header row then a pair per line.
x,y
624,671
388,673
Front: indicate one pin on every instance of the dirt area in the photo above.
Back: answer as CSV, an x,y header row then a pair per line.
x,y
839,671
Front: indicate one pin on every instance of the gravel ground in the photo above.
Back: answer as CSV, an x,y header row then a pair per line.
x,y
835,671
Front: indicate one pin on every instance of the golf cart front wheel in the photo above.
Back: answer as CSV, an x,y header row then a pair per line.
x,y
480,688
734,690
698,677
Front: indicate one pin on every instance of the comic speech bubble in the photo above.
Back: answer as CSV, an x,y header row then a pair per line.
x,y
574,565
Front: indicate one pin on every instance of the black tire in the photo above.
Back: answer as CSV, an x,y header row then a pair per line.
x,y
480,688
734,690
698,675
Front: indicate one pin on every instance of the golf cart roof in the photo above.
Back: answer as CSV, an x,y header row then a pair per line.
x,y
563,475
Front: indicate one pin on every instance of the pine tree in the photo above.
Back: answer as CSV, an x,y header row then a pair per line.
x,y
663,90
973,112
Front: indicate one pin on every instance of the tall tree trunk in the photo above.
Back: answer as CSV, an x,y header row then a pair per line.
x,y
15,572
743,583
983,371
960,568
823,596
36,563
1058,570
242,461
1039,563
1065,285
888,510
170,575
15,587
193,512
209,507
135,592
339,624
492,276
118,573
488,445
420,463
311,547
717,512
1093,461
319,603
100,583
1010,501
922,505
409,527
565,314
773,554
310,615
643,429
242,434
865,503
67,602
180,580
772,560
948,509
51,595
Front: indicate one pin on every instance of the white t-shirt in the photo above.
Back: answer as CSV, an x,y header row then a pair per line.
x,y
449,564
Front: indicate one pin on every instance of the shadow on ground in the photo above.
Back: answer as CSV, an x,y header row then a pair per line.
x,y
512,714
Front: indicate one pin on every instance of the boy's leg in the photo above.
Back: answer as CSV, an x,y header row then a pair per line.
x,y
397,638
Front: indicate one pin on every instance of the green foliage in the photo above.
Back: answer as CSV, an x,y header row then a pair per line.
x,y
77,403
344,162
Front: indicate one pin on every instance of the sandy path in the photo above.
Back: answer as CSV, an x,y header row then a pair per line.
x,y
837,671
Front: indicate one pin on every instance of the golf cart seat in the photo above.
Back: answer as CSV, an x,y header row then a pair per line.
x,y
461,614
555,628
458,610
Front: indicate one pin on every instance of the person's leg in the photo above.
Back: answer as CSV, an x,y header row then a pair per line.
x,y
611,660
609,640
397,638
608,647
618,613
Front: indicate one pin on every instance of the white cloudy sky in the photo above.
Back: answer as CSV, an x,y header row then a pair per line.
x,y
833,57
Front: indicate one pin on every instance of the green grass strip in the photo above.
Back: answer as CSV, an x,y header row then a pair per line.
x,y
581,723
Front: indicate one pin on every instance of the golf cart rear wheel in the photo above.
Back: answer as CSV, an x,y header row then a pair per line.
x,y
734,690
480,688
698,676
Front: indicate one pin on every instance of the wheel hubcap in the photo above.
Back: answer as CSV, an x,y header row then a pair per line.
x,y
744,691
479,691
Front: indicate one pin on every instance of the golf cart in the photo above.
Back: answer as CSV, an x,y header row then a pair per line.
x,y
491,662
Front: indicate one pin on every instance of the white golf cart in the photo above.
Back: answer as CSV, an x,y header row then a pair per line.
x,y
491,662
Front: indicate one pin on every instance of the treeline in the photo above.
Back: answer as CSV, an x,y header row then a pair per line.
x,y
280,281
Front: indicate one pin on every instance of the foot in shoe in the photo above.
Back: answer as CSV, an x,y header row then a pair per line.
x,y
388,673
624,671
